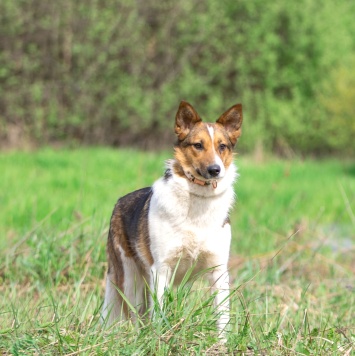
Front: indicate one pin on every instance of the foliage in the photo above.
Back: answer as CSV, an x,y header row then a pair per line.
x,y
114,72
337,97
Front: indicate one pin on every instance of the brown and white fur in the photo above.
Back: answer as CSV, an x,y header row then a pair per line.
x,y
179,222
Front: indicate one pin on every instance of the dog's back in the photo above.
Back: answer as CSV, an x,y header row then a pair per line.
x,y
128,236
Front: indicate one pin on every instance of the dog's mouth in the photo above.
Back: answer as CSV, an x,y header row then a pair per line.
x,y
206,176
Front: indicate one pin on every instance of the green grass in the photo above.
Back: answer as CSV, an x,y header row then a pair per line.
x,y
292,258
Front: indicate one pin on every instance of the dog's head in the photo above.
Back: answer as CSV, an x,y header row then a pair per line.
x,y
205,150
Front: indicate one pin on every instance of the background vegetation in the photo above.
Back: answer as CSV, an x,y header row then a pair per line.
x,y
292,259
113,72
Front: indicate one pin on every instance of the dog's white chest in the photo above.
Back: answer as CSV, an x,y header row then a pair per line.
x,y
192,245
188,230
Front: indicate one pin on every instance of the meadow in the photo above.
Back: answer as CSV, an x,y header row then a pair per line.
x,y
292,258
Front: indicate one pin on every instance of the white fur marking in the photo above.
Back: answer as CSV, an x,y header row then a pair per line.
x,y
217,159
211,132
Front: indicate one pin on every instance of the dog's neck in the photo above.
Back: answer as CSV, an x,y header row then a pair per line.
x,y
174,166
175,173
201,182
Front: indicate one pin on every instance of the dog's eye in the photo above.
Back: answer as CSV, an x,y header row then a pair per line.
x,y
198,146
222,147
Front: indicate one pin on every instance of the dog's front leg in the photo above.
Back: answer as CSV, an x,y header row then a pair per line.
x,y
160,279
219,281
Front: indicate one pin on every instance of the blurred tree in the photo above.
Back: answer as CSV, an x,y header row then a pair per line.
x,y
338,98
113,72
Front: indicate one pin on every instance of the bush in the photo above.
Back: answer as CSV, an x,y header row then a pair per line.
x,y
337,97
114,72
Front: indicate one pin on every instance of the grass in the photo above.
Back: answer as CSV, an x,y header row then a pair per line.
x,y
292,259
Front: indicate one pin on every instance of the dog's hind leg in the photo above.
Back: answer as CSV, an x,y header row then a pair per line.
x,y
112,309
124,295
133,288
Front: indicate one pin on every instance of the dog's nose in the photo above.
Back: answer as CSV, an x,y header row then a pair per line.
x,y
214,170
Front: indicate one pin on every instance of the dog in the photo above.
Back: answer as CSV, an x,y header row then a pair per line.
x,y
181,222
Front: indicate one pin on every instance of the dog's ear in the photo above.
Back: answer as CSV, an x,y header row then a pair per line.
x,y
186,117
232,121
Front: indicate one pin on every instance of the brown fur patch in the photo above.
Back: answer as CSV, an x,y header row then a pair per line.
x,y
129,225
143,240
186,118
232,120
118,232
